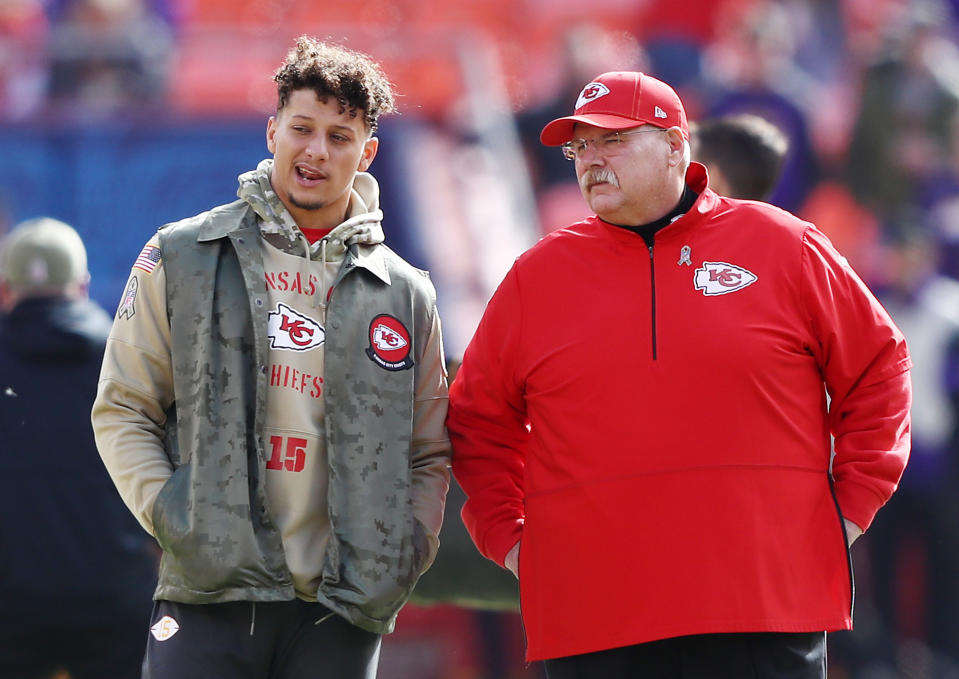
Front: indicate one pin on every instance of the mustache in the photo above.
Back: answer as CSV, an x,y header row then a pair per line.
x,y
598,176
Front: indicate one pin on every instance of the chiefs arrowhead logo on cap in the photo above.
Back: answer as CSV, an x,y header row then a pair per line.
x,y
590,93
720,278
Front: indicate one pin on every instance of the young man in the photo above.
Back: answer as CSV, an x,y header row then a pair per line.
x,y
641,420
272,402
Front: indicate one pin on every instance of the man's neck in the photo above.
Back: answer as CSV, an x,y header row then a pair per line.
x,y
319,218
681,207
685,202
313,235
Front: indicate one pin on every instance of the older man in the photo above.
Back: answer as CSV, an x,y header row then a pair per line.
x,y
641,421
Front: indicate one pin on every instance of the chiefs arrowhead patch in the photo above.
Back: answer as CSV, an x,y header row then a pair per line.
x,y
720,278
390,343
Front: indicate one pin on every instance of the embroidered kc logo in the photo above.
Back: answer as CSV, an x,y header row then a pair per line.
x,y
720,278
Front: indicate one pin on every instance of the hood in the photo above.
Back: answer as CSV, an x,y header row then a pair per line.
x,y
363,225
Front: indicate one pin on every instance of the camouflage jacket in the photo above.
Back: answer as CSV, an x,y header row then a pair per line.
x,y
388,450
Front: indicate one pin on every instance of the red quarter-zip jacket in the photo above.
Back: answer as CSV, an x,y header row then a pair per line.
x,y
652,422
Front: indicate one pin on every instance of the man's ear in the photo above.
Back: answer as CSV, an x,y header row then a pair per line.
x,y
369,153
677,146
81,289
271,134
676,140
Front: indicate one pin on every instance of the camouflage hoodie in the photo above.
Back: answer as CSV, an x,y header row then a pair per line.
x,y
181,405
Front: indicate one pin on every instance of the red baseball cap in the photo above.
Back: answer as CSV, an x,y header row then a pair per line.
x,y
618,100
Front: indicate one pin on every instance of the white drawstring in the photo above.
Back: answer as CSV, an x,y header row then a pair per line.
x,y
322,290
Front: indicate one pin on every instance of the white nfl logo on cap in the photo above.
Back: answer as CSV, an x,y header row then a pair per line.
x,y
659,113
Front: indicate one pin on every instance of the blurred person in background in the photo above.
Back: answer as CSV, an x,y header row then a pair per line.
x,y
743,154
654,465
914,544
903,132
108,55
751,67
23,66
76,570
272,402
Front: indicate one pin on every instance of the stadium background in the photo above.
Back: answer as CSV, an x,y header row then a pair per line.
x,y
120,115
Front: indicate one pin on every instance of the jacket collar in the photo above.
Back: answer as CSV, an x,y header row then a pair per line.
x,y
369,257
698,180
225,220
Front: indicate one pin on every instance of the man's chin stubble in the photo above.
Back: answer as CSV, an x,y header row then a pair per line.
x,y
306,206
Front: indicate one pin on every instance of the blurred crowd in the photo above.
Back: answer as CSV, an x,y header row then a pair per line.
x,y
866,91
90,57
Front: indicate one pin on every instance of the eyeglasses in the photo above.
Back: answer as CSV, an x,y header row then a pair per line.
x,y
607,145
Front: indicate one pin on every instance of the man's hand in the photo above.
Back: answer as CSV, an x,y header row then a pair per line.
x,y
512,560
852,531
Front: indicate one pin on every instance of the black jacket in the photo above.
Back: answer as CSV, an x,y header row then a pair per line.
x,y
68,545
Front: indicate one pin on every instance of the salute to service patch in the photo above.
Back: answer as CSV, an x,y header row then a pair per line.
x,y
127,309
389,343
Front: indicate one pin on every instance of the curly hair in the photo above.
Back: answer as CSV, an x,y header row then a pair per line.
x,y
354,79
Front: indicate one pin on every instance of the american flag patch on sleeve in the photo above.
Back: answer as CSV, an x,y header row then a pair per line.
x,y
149,257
